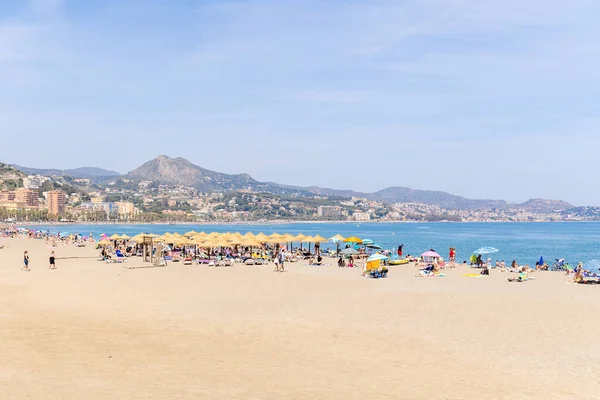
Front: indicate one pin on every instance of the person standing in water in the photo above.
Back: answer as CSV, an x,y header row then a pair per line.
x,y
52,260
25,262
400,248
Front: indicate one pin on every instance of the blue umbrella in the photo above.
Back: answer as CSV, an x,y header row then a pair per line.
x,y
377,257
367,241
541,262
486,250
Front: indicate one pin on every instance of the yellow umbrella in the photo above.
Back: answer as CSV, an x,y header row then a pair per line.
x,y
275,235
288,238
139,238
190,233
299,237
250,242
319,239
261,237
352,239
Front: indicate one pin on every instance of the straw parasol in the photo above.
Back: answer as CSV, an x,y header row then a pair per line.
x,y
250,242
338,238
190,233
288,238
104,242
115,236
319,239
299,237
125,237
262,237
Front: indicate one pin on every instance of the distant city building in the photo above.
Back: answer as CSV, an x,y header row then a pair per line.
x,y
125,207
361,216
97,199
326,211
31,198
7,195
19,199
56,201
34,182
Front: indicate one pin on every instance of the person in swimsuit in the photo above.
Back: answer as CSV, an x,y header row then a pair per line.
x,y
25,261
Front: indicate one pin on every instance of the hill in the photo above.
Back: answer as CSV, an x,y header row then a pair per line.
x,y
544,206
82,172
180,171
396,194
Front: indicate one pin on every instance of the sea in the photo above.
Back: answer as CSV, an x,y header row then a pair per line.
x,y
524,242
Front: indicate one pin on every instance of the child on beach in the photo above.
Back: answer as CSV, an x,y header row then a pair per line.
x,y
52,260
25,261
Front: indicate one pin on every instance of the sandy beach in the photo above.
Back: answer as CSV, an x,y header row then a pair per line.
x,y
92,330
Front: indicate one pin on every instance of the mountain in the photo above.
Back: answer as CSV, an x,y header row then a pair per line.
x,y
407,195
180,171
544,206
83,172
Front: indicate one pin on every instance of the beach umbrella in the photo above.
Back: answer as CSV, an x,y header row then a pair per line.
x,y
104,242
377,256
367,241
115,236
337,238
261,237
373,246
352,239
319,239
125,237
592,266
486,250
430,254
541,262
190,233
349,252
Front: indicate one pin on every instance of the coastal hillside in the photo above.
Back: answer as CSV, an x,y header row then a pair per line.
x,y
179,171
396,194
83,172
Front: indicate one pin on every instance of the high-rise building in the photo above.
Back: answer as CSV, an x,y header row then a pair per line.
x,y
125,207
31,198
56,202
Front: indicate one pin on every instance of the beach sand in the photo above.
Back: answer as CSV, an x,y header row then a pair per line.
x,y
92,330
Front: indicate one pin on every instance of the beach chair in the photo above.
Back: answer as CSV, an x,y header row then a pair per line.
x,y
187,261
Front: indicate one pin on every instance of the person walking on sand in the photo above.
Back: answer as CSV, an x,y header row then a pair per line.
x,y
52,260
282,260
276,261
25,261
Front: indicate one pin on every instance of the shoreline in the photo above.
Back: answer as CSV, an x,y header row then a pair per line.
x,y
278,222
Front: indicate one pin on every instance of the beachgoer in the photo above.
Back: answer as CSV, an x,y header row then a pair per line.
x,y
452,255
282,260
479,261
52,260
25,261
400,248
341,262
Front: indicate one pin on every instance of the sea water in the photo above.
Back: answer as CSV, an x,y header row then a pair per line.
x,y
524,242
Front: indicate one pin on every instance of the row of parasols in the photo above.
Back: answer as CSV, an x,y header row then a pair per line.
x,y
228,239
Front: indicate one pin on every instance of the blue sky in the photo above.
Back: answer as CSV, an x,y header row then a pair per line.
x,y
493,99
